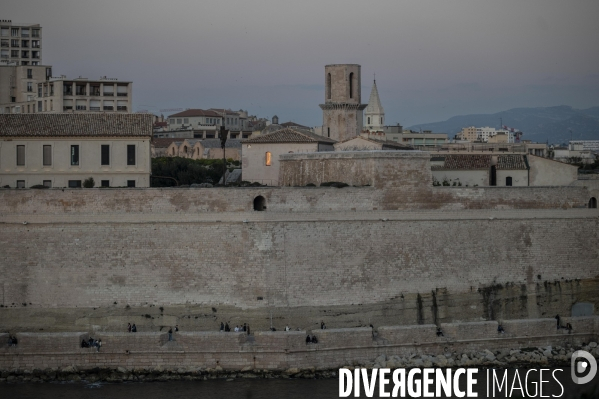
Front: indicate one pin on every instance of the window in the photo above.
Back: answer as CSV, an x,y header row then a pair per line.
x,y
47,155
186,120
508,181
328,86
13,53
381,121
74,183
593,203
39,90
25,43
35,33
20,183
351,85
24,54
74,155
39,106
171,121
29,86
130,183
4,31
105,154
25,32
20,155
268,158
328,132
369,120
178,121
15,43
131,154
47,183
30,74
104,183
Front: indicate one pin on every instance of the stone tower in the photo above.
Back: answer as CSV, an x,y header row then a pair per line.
x,y
374,116
342,112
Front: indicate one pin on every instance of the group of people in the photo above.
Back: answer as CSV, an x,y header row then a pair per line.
x,y
311,339
131,328
12,340
224,327
170,332
92,343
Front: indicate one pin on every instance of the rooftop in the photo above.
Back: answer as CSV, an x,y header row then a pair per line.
x,y
511,162
465,162
195,112
76,125
289,135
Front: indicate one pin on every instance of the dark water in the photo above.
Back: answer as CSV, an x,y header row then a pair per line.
x,y
238,389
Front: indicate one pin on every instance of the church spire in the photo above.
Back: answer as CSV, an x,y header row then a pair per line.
x,y
374,119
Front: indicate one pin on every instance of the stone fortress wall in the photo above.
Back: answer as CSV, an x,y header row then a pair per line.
x,y
286,350
396,250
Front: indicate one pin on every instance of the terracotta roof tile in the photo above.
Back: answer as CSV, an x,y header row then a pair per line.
x,y
289,135
465,162
194,112
511,162
164,142
76,125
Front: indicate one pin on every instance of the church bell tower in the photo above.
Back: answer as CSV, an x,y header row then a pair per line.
x,y
342,111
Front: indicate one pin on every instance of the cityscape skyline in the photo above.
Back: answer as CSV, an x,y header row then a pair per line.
x,y
431,62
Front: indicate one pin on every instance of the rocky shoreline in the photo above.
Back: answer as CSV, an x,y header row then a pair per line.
x,y
524,357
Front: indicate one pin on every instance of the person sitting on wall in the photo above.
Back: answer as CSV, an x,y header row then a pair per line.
x,y
14,340
314,339
90,342
500,329
286,328
10,340
439,332
236,328
170,334
557,318
176,327
222,327
84,344
308,339
98,345
245,327
128,327
133,328
569,327
227,328
248,327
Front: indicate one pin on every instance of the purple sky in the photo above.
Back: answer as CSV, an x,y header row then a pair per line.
x,y
433,59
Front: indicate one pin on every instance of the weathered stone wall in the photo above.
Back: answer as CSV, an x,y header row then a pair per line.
x,y
283,350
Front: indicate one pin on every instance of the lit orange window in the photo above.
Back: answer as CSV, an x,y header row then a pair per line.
x,y
268,158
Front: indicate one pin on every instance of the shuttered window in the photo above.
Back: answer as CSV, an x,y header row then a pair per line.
x,y
47,161
20,155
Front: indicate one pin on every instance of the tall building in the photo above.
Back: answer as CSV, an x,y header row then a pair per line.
x,y
32,89
20,43
342,112
374,116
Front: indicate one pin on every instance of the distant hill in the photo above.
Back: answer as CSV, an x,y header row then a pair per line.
x,y
538,124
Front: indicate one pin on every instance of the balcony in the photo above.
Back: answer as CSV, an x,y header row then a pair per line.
x,y
122,94
67,108
80,92
67,93
111,94
35,45
24,34
94,109
25,45
35,33
81,107
108,108
4,44
121,108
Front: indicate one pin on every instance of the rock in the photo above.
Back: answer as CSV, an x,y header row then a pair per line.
x,y
194,185
380,359
205,185
547,353
291,371
592,344
121,370
69,369
490,357
249,368
440,361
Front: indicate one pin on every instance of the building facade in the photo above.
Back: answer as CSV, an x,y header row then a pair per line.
x,y
342,112
20,44
63,150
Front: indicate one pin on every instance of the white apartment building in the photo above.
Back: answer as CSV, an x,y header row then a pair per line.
x,y
32,89
484,133
63,150
20,43
206,123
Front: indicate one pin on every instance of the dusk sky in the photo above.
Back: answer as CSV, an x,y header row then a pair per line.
x,y
432,59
